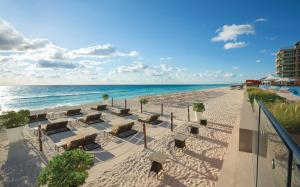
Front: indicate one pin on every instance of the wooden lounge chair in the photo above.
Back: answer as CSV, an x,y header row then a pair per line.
x,y
120,111
32,118
89,142
55,127
42,117
92,118
122,128
148,118
73,112
77,142
99,107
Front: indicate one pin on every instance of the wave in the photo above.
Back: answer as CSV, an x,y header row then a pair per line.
x,y
63,95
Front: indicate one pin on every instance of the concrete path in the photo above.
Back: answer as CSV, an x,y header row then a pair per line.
x,y
239,166
22,165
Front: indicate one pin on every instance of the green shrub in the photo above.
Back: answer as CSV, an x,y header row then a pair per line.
x,y
198,107
143,101
105,96
13,119
263,95
68,169
288,114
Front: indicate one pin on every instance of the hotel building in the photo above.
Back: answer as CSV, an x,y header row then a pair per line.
x,y
288,63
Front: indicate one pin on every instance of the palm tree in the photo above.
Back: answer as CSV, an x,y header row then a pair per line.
x,y
143,101
105,97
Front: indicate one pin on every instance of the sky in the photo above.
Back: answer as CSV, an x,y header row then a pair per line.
x,y
142,42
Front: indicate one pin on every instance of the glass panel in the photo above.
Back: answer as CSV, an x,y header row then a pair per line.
x,y
272,157
296,174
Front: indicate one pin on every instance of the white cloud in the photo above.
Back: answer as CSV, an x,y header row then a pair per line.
x,y
231,32
227,75
258,61
41,61
235,68
261,20
164,70
12,40
232,45
166,58
134,67
215,74
101,51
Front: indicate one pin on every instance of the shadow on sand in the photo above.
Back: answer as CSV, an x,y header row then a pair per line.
x,y
22,166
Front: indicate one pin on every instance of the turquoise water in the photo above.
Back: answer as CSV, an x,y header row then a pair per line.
x,y
39,97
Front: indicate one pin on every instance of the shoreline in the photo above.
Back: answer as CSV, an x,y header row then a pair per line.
x,y
116,101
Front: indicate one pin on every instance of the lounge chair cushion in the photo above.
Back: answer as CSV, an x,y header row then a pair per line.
x,y
91,146
73,112
127,133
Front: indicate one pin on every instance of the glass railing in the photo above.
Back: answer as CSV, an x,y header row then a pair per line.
x,y
278,156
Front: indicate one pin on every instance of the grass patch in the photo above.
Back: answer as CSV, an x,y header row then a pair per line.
x,y
288,114
263,95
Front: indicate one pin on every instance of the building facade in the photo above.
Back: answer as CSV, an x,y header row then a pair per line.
x,y
288,63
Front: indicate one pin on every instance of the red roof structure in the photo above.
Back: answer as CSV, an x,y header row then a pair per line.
x,y
253,82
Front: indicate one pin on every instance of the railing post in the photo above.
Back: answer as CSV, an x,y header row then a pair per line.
x,y
289,169
112,102
162,109
40,138
145,137
188,108
125,104
141,107
172,121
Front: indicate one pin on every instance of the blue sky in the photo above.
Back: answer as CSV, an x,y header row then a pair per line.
x,y
135,41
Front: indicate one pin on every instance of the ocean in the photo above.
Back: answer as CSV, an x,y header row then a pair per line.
x,y
40,97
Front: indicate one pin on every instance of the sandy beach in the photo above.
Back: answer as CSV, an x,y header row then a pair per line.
x,y
125,162
201,162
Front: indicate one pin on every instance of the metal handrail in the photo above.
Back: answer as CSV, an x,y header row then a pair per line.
x,y
283,134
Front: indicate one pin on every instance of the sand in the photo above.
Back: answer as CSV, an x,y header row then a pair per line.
x,y
125,162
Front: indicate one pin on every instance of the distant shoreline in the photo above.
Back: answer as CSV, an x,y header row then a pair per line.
x,y
119,101
117,93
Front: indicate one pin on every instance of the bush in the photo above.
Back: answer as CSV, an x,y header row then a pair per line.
x,y
198,107
105,96
263,95
143,101
14,119
68,169
287,114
